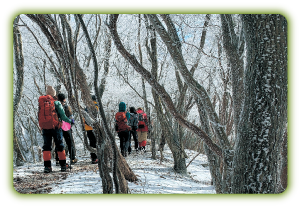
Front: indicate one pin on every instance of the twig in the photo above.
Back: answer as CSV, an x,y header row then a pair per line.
x,y
193,159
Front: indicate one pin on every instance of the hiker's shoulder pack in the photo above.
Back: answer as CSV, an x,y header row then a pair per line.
x,y
67,110
133,121
142,120
48,118
121,122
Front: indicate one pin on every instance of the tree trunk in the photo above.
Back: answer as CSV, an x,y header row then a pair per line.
x,y
234,47
174,138
118,179
214,161
282,173
264,115
19,64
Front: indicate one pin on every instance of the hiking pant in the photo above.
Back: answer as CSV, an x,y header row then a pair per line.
x,y
142,138
124,143
56,134
93,142
70,143
135,139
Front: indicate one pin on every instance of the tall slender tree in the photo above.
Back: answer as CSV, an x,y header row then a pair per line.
x,y
19,65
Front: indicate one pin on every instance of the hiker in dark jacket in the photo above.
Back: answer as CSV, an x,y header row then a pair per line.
x,y
52,128
67,134
121,119
133,123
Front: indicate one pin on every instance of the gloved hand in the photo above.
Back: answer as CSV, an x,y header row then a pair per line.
x,y
72,121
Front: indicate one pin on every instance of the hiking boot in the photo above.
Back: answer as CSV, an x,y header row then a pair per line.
x,y
74,161
47,169
94,161
64,168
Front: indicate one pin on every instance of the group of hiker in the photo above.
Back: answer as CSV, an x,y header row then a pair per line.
x,y
133,123
56,120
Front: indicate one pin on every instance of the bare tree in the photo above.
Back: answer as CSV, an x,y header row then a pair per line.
x,y
234,46
158,88
232,159
63,44
19,64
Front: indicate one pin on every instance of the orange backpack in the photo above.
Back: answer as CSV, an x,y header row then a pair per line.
x,y
47,115
121,122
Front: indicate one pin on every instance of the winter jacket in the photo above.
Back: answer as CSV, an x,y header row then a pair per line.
x,y
145,129
88,127
122,108
60,111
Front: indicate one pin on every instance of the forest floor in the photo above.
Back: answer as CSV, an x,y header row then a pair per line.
x,y
31,179
154,177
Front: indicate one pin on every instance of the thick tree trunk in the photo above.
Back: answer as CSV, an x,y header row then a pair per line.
x,y
264,115
283,162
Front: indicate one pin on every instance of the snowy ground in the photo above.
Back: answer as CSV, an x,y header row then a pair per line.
x,y
154,177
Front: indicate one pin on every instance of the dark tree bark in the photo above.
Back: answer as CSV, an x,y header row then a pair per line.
x,y
264,115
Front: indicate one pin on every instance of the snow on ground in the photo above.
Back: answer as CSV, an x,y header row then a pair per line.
x,y
154,178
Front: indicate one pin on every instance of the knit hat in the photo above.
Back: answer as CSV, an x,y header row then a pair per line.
x,y
122,107
61,97
50,91
132,110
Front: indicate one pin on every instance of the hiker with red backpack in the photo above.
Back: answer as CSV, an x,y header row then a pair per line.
x,y
142,129
67,130
50,115
122,128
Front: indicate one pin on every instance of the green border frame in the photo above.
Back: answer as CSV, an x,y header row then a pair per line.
x,y
149,7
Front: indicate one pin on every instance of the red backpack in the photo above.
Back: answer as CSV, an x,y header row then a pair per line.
x,y
47,115
121,122
142,120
